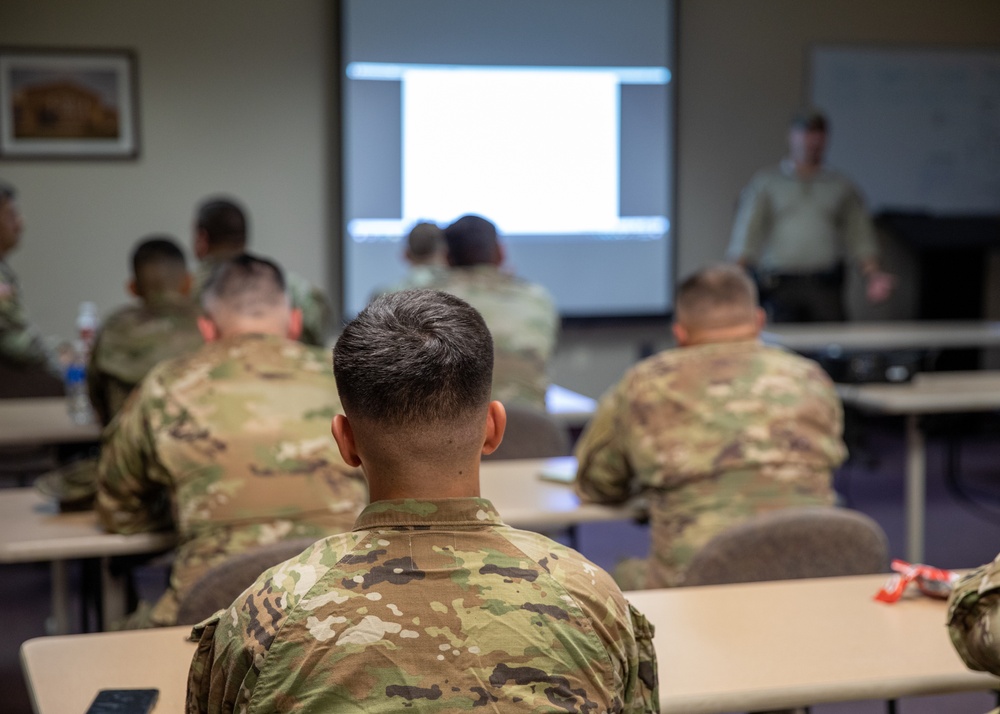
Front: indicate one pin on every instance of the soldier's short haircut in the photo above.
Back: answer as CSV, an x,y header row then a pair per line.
x,y
158,263
224,221
425,240
717,296
472,240
7,192
414,357
246,284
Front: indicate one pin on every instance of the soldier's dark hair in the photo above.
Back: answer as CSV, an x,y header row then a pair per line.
x,y
414,356
425,240
472,240
246,284
158,264
224,221
7,192
717,296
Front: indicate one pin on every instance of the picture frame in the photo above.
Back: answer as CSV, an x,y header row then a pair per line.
x,y
68,104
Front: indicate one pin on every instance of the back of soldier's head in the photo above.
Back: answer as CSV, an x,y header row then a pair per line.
x,y
246,286
158,266
472,240
425,243
414,358
223,222
720,296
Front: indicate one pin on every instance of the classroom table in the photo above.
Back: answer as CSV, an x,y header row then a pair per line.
x,y
836,337
720,648
42,420
32,529
928,393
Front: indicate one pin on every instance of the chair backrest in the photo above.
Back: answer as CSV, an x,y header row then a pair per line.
x,y
223,583
807,542
531,434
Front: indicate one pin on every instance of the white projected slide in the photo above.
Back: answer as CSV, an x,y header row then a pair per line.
x,y
536,149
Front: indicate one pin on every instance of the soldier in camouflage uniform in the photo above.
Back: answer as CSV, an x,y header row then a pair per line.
x,y
713,432
427,255
22,349
431,602
230,445
135,338
974,618
221,234
521,315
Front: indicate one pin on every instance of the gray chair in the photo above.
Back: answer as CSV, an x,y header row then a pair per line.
x,y
531,434
808,542
222,584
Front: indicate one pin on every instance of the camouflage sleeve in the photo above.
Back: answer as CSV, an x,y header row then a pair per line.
x,y
750,223
604,474
19,342
644,678
133,493
233,643
974,618
859,232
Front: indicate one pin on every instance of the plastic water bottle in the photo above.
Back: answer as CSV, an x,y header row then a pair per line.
x,y
77,398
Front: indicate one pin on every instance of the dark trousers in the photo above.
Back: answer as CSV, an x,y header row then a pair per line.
x,y
811,297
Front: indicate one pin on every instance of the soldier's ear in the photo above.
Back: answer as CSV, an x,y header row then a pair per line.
x,y
294,324
680,333
760,319
496,423
208,329
344,436
132,287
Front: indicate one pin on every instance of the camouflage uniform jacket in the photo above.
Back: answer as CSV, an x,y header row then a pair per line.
x,y
435,605
316,312
132,341
524,323
418,276
712,434
231,445
974,618
20,343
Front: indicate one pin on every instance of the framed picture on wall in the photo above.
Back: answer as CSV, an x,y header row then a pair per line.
x,y
68,104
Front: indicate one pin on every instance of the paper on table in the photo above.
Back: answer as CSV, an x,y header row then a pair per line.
x,y
560,470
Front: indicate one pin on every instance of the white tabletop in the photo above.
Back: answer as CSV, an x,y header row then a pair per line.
x,y
33,529
65,673
928,393
720,649
900,335
793,643
42,420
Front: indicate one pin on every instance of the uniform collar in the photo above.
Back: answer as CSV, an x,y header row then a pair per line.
x,y
410,512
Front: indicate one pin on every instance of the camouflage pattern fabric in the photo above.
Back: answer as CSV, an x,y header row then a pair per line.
x,y
132,341
432,605
524,323
974,618
418,276
231,446
317,315
20,343
712,434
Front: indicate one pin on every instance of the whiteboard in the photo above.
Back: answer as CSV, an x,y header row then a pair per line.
x,y
916,129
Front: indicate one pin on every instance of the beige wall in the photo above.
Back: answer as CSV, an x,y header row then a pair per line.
x,y
233,97
236,95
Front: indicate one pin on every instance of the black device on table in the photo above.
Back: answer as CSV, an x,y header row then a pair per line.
x,y
124,701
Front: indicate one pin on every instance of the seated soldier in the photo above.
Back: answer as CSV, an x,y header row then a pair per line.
x,y
28,368
521,315
134,338
974,618
230,445
715,431
220,233
427,255
431,602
